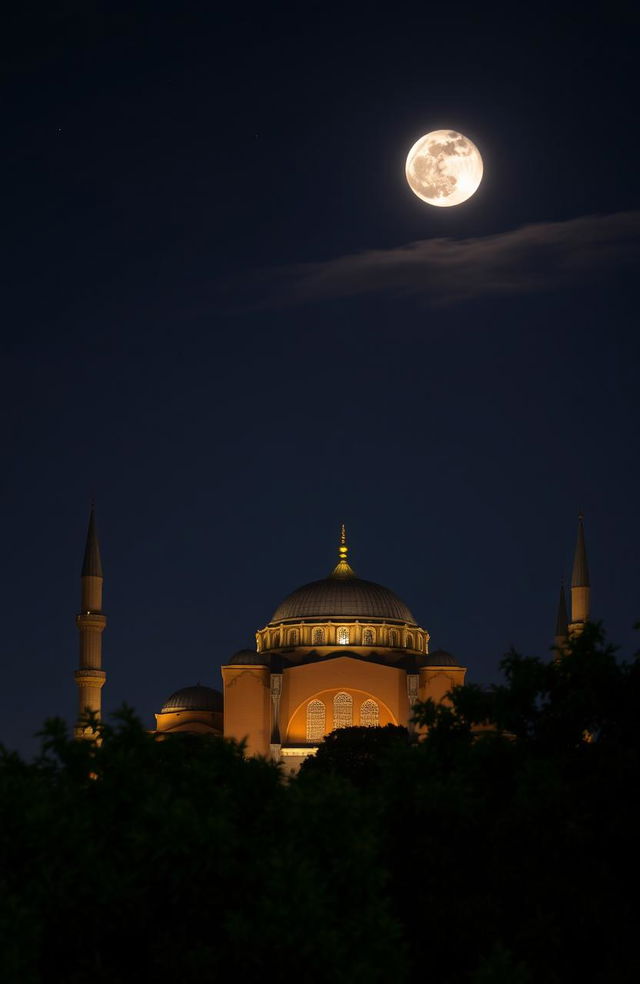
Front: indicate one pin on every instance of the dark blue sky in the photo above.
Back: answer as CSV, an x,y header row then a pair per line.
x,y
168,176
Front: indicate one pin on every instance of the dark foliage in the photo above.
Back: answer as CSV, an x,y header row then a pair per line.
x,y
498,850
181,861
359,754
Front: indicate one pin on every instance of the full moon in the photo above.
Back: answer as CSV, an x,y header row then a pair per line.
x,y
444,168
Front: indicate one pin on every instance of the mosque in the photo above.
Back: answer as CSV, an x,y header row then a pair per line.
x,y
337,652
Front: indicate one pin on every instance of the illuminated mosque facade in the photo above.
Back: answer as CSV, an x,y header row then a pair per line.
x,y
337,652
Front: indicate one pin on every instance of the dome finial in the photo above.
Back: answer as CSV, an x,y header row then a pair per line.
x,y
343,548
342,568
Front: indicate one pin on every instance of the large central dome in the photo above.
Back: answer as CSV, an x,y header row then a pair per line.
x,y
343,597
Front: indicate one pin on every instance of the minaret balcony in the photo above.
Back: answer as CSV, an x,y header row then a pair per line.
x,y
91,678
91,620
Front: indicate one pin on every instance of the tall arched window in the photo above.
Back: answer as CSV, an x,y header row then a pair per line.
x,y
316,720
367,637
293,637
276,640
370,714
393,638
343,637
409,641
342,710
318,637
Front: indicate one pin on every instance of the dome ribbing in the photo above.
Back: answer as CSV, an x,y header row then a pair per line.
x,y
197,698
347,597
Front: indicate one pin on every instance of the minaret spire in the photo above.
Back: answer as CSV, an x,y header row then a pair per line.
x,y
92,564
90,676
343,568
562,623
580,583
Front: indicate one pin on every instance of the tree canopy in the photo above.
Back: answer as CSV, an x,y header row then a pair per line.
x,y
497,848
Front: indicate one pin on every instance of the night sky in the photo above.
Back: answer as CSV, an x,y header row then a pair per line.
x,y
226,316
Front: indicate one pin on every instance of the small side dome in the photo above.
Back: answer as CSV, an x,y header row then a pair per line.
x,y
247,657
439,658
197,698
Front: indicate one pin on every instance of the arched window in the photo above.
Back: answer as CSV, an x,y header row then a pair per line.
x,y
342,710
393,638
276,640
343,637
367,637
409,641
316,718
293,637
370,714
318,637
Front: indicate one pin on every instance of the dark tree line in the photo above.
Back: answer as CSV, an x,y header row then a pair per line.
x,y
497,850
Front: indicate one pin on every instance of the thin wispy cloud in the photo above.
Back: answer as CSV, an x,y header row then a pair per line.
x,y
531,259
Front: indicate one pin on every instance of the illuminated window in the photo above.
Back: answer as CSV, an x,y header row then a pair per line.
x,y
343,637
318,637
367,637
393,638
342,710
293,637
316,717
370,714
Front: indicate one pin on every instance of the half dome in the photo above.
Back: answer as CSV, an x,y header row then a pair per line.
x,y
247,657
343,598
440,657
197,698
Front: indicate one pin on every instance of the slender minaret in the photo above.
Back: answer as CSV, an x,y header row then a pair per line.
x,y
580,587
562,624
90,676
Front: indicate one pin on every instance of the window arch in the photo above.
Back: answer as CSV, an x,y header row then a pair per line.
x,y
293,637
276,640
367,637
343,636
409,641
316,720
318,637
342,710
369,714
393,638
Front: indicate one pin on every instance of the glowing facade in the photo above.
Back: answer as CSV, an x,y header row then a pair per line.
x,y
337,652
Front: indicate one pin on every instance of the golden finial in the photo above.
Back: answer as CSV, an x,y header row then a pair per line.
x,y
342,568
343,548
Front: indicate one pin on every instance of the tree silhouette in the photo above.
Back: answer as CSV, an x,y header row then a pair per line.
x,y
359,754
497,849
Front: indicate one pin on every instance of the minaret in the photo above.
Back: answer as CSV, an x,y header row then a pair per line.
x,y
90,676
562,624
580,587
343,569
